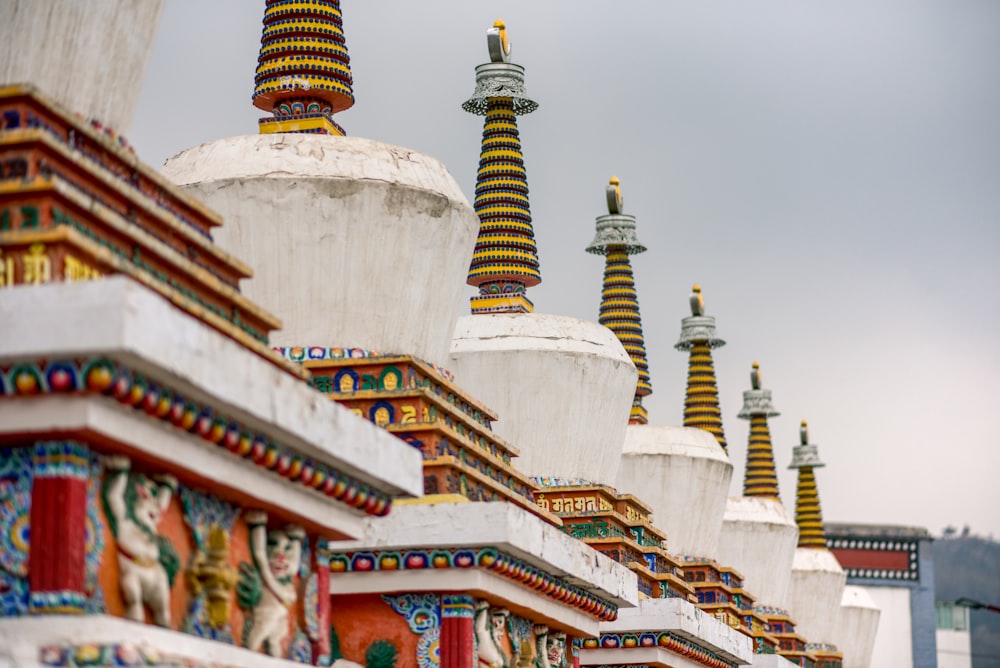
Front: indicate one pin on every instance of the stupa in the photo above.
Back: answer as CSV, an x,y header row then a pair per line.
x,y
524,364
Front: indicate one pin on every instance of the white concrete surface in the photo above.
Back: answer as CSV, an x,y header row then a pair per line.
x,y
562,388
509,529
894,640
125,321
22,637
759,539
859,621
684,475
817,590
353,242
89,56
771,661
954,649
682,618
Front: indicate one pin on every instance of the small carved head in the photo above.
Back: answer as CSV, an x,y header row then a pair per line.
x,y
556,648
284,553
142,502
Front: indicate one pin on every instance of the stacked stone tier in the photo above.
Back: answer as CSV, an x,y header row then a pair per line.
x,y
761,477
701,402
791,645
618,526
415,402
505,259
76,206
720,592
303,53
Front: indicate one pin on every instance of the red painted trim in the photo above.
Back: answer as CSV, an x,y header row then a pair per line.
x,y
894,560
58,556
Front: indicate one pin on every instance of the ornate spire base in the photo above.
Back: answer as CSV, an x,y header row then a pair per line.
x,y
501,303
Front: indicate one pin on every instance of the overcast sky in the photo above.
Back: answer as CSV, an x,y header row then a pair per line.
x,y
829,172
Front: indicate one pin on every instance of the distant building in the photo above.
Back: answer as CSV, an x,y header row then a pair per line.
x,y
954,643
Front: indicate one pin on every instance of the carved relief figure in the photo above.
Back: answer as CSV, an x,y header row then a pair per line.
x,y
556,646
541,646
490,628
267,588
134,505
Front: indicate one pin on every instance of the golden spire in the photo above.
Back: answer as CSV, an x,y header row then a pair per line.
x,y
760,478
809,517
616,240
701,403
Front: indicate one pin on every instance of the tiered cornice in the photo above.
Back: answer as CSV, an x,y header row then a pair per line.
x,y
505,260
616,240
808,515
761,478
701,403
303,72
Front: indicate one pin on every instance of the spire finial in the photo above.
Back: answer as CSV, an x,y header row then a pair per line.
x,y
761,476
808,515
616,240
505,260
701,404
303,73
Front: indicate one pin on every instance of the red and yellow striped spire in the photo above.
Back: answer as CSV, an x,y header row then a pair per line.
x,y
761,476
701,403
303,72
809,517
616,240
505,260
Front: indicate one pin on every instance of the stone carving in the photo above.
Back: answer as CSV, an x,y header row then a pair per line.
x,y
490,628
541,647
209,575
555,646
267,588
134,505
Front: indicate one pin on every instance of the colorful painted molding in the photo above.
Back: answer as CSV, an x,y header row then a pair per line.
x,y
111,378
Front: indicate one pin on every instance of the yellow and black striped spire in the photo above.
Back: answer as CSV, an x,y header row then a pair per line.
x,y
616,240
505,260
701,403
809,517
303,72
761,477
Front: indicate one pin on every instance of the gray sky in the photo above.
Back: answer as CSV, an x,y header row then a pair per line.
x,y
828,172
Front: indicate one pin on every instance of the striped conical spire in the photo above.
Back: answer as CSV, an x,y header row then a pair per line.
x,y
616,240
505,260
809,517
761,477
303,72
701,403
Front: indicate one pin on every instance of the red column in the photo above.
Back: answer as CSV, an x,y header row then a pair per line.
x,y
457,647
57,560
321,648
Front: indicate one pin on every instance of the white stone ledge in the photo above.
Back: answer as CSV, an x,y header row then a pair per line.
x,y
507,528
497,589
175,449
22,638
685,620
125,321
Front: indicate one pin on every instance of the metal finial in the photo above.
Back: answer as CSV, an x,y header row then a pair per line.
x,y
806,453
756,401
497,42
697,301
614,195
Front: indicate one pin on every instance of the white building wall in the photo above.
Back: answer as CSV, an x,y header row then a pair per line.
x,y
954,649
894,640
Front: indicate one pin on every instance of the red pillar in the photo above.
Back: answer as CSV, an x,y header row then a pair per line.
x,y
457,647
321,648
58,556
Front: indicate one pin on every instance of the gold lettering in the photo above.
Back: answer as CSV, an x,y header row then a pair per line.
x,y
37,266
6,270
409,414
542,501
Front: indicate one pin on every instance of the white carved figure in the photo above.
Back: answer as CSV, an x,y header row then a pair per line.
x,y
556,646
134,505
490,626
268,587
541,646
